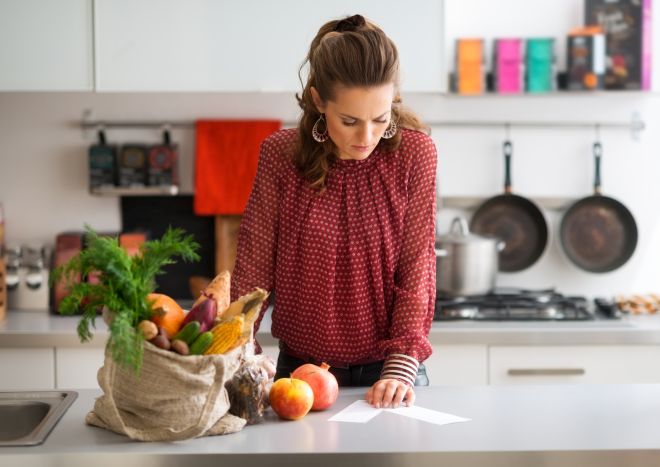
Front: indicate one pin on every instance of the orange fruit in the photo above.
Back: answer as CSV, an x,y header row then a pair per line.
x,y
590,80
166,313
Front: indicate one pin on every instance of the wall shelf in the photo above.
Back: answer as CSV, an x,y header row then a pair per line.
x,y
473,202
136,191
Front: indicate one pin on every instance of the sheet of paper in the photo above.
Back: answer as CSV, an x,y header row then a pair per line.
x,y
427,415
361,412
358,412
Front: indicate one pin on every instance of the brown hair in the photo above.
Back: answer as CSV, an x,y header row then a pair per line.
x,y
352,52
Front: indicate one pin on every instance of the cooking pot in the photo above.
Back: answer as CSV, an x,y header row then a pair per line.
x,y
466,263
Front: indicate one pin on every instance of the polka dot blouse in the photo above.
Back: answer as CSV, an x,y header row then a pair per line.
x,y
352,269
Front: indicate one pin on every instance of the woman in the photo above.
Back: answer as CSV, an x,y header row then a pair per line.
x,y
340,222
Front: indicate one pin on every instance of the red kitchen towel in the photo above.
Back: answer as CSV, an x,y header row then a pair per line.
x,y
227,153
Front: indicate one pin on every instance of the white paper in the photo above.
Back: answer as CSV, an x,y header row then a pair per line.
x,y
358,412
428,415
361,412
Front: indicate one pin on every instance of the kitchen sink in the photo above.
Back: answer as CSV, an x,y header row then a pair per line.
x,y
27,417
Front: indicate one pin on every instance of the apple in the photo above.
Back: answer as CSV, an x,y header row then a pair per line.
x,y
323,383
291,398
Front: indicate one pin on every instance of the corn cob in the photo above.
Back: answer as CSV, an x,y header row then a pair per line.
x,y
250,302
225,335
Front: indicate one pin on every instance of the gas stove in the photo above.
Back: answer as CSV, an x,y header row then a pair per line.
x,y
505,304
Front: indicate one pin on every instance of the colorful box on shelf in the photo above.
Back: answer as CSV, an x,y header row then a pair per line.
x,y
507,66
586,59
470,72
540,65
627,28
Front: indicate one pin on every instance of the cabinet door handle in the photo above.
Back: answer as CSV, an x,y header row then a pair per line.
x,y
546,371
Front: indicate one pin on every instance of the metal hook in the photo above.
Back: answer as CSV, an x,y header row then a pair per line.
x,y
597,130
507,131
165,129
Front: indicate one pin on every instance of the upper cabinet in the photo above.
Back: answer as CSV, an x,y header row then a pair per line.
x,y
46,46
248,45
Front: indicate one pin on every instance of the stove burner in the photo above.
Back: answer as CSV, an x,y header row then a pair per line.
x,y
514,304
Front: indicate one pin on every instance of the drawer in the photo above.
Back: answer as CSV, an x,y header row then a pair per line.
x,y
457,365
573,364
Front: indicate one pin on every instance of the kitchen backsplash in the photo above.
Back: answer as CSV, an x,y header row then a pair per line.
x,y
44,172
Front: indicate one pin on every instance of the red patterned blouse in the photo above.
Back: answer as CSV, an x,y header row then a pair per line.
x,y
352,269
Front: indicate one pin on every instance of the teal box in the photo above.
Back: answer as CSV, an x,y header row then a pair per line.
x,y
540,65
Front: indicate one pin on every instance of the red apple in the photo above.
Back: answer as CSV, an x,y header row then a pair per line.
x,y
323,384
291,398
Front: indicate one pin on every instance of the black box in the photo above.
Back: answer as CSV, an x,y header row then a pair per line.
x,y
102,166
586,61
132,165
627,27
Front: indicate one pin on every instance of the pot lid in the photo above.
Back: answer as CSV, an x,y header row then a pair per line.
x,y
459,232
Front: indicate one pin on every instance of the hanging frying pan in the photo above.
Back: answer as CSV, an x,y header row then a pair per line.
x,y
515,220
598,233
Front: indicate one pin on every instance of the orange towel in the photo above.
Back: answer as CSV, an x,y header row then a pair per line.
x,y
227,153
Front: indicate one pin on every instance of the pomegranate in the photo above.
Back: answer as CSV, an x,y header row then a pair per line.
x,y
323,383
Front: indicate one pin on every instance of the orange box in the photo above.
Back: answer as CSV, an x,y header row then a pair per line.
x,y
470,66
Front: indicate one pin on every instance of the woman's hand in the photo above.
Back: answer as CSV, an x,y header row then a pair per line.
x,y
390,393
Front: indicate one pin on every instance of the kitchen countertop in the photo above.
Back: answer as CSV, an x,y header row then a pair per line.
x,y
572,425
42,329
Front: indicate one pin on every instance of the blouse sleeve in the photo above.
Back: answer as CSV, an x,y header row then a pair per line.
x,y
414,297
257,237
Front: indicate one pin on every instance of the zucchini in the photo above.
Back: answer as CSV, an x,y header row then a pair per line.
x,y
202,343
188,333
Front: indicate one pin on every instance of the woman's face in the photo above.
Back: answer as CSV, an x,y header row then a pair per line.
x,y
357,118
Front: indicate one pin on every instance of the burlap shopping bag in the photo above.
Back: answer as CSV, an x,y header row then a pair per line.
x,y
173,398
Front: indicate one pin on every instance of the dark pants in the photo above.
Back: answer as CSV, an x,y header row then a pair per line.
x,y
353,375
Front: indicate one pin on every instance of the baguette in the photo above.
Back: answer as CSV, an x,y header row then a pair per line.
x,y
218,290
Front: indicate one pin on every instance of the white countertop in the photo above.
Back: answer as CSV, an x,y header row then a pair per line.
x,y
42,329
571,425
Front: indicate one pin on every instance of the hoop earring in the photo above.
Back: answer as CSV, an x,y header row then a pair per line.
x,y
391,131
320,137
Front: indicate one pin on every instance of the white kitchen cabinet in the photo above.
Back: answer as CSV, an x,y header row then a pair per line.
x,y
251,45
26,368
76,368
574,364
46,46
457,365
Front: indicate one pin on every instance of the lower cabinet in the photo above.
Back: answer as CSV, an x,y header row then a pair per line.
x,y
76,368
574,364
26,368
457,365
449,364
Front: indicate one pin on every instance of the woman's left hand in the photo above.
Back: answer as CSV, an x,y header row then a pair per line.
x,y
390,393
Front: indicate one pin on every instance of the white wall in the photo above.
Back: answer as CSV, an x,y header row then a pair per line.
x,y
43,174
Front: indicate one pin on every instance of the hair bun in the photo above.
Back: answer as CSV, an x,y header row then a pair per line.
x,y
352,23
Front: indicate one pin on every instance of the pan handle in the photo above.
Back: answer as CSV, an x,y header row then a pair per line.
x,y
598,152
507,148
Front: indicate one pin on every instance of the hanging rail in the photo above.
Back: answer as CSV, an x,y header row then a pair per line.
x,y
635,125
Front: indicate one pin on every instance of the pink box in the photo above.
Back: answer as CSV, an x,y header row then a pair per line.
x,y
508,66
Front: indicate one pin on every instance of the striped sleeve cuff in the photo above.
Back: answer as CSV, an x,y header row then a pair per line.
x,y
401,367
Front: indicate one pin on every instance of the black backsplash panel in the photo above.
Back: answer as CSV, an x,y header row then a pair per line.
x,y
153,215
